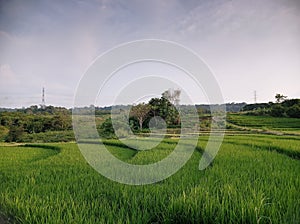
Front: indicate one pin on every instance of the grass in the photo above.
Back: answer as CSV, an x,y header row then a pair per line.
x,y
275,123
254,179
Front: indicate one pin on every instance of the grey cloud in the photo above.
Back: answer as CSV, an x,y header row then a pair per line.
x,y
53,42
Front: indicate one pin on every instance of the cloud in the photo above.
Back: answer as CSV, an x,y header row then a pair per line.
x,y
51,43
7,76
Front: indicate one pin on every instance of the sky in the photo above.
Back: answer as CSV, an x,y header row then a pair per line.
x,y
248,45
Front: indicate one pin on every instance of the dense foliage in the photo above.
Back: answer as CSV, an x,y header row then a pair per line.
x,y
33,120
51,124
141,114
285,108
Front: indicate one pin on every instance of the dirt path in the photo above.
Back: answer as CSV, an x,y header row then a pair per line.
x,y
262,131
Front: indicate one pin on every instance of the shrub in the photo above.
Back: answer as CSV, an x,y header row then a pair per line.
x,y
277,110
3,133
294,111
106,129
15,134
49,136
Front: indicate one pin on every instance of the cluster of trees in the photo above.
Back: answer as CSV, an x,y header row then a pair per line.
x,y
289,108
16,124
140,114
282,107
164,107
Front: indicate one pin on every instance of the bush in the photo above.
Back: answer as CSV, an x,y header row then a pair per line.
x,y
49,136
106,129
15,134
291,102
277,110
294,111
3,132
258,112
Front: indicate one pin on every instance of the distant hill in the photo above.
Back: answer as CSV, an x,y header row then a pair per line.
x,y
230,107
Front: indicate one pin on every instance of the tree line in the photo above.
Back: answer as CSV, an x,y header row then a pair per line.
x,y
55,123
16,124
282,107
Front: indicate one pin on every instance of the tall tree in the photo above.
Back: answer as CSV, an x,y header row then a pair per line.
x,y
173,96
155,104
171,99
140,112
279,98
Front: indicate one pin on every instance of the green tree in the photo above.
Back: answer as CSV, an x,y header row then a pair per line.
x,y
279,98
294,111
277,110
106,129
291,102
34,124
61,122
170,99
140,112
15,132
165,107
173,96
155,104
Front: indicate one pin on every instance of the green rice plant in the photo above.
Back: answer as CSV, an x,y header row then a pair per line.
x,y
253,179
266,122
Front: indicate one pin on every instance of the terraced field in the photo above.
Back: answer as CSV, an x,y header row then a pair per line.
x,y
276,123
253,179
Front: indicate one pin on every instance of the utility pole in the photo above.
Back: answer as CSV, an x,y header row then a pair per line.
x,y
255,97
